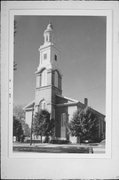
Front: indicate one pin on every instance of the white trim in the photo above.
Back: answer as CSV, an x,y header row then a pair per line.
x,y
67,104
68,98
29,104
71,99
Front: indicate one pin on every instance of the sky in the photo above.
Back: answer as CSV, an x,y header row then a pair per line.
x,y
82,43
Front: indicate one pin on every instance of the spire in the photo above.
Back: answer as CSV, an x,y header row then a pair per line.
x,y
48,33
49,27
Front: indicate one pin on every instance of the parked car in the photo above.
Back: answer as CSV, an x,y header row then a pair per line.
x,y
87,141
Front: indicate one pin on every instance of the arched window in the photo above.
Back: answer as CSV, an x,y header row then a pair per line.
x,y
56,79
55,57
43,105
46,37
45,56
44,78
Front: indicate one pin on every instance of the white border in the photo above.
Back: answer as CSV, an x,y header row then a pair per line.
x,y
9,9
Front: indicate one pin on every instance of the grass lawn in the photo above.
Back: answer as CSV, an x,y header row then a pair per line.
x,y
50,148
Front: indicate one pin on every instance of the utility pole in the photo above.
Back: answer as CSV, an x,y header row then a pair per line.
x,y
31,126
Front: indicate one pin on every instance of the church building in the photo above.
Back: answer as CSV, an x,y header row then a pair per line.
x,y
48,91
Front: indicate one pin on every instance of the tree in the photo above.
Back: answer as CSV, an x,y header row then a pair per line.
x,y
17,129
42,125
84,125
20,115
19,112
25,128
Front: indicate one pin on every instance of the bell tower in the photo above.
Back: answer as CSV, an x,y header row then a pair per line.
x,y
48,75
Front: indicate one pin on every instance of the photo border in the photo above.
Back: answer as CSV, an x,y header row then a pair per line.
x,y
22,8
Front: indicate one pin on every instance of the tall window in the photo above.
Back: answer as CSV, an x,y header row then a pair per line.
x,y
45,56
47,38
59,82
37,81
55,57
44,78
56,79
43,105
63,119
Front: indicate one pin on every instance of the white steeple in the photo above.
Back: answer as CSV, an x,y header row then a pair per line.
x,y
48,75
48,34
49,54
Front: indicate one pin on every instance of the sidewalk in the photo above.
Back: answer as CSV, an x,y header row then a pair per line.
x,y
99,149
51,148
59,148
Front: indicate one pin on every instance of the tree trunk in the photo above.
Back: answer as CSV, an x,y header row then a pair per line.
x,y
47,139
41,138
78,140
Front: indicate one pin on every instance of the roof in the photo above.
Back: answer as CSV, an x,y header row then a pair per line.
x,y
29,106
69,99
72,102
67,104
100,114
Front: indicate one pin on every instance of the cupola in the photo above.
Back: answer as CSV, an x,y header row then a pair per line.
x,y
48,34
